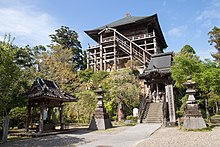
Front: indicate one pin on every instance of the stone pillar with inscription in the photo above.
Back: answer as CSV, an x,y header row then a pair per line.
x,y
193,117
171,106
100,119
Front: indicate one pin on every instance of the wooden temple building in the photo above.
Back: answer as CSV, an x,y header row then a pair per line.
x,y
43,96
133,39
139,42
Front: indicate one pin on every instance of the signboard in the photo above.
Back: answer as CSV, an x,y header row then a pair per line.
x,y
170,100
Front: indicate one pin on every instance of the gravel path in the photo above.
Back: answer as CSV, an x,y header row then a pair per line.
x,y
173,137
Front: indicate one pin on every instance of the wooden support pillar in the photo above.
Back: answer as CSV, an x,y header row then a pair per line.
x,y
101,58
41,120
131,55
101,54
105,64
28,117
61,117
144,55
95,60
49,113
154,42
157,86
88,56
115,53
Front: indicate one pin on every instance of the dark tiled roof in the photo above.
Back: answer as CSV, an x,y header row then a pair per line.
x,y
159,63
123,21
49,89
130,20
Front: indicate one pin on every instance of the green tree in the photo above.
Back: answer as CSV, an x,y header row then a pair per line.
x,y
13,82
83,110
90,79
68,39
27,56
188,49
184,64
214,38
56,65
204,73
122,92
208,83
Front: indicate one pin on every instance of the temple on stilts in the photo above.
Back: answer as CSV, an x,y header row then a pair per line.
x,y
137,41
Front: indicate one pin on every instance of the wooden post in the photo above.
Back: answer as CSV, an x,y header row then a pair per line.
x,y
131,55
95,60
28,117
61,117
144,55
41,121
101,53
49,113
155,43
157,97
88,56
115,53
105,66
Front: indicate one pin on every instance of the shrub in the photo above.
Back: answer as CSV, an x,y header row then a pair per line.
x,y
130,117
18,117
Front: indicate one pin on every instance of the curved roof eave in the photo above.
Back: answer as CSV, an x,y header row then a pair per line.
x,y
129,20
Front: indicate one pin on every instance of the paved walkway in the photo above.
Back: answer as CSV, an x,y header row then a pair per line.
x,y
116,137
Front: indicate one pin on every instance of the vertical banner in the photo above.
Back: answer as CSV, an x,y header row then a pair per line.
x,y
170,100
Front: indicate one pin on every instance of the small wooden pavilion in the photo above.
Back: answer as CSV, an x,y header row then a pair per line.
x,y
46,95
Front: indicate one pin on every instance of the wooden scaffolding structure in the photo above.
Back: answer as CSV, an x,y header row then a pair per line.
x,y
131,40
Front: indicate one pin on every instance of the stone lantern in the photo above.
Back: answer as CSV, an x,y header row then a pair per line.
x,y
193,117
100,119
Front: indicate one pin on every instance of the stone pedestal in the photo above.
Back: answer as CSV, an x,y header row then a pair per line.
x,y
193,117
100,119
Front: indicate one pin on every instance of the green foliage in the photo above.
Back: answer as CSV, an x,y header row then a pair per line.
x,y
27,56
214,38
68,39
85,75
121,86
90,79
131,117
12,81
188,49
57,66
83,110
98,77
204,73
17,117
184,64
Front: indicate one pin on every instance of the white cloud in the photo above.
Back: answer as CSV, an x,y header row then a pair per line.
x,y
26,23
178,31
210,15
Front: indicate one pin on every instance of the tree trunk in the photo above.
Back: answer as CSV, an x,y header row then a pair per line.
x,y
207,109
216,105
5,129
121,112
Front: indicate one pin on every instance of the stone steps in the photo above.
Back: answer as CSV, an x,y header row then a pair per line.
x,y
155,113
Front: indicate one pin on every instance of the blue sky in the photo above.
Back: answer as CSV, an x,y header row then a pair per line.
x,y
182,21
